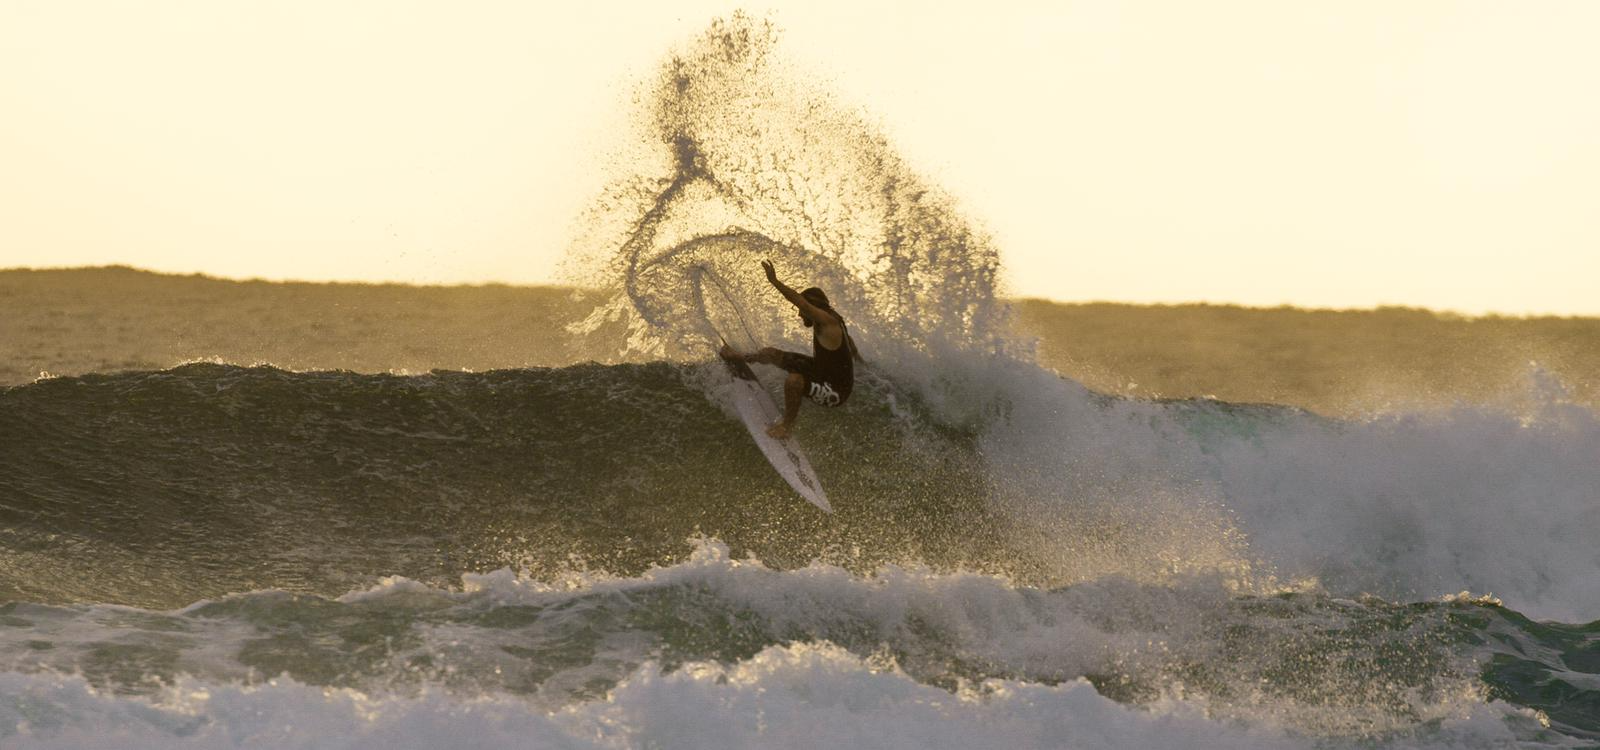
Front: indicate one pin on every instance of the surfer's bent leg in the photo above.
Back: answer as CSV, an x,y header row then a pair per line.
x,y
800,367
793,362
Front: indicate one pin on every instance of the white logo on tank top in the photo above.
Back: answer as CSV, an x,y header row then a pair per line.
x,y
824,394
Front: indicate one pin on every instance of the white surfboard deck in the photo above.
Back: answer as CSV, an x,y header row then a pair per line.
x,y
758,410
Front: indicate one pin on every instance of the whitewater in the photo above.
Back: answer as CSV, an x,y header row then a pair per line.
x,y
237,554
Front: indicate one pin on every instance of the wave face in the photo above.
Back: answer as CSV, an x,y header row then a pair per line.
x,y
160,488
1199,560
154,487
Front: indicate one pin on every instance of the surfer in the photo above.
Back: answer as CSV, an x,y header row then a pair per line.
x,y
827,374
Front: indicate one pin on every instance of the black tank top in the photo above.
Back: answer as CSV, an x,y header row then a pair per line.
x,y
834,366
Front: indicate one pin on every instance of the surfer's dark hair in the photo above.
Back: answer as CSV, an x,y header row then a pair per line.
x,y
815,296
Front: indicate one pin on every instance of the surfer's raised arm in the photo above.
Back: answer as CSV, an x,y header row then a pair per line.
x,y
822,315
825,376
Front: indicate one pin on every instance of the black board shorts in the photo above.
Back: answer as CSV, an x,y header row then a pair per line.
x,y
818,389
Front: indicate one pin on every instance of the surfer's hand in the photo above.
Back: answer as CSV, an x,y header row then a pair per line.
x,y
772,273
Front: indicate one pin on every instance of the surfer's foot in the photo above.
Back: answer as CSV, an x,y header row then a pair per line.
x,y
730,353
778,430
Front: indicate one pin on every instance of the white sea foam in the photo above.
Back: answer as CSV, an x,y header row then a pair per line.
x,y
1407,506
946,628
799,696
1421,506
915,635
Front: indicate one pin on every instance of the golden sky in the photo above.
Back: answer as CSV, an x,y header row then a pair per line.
x,y
1332,154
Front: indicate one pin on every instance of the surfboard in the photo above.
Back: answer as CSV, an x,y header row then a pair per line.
x,y
757,410
755,406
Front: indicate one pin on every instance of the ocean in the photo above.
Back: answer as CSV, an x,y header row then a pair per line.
x,y
220,555
257,515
